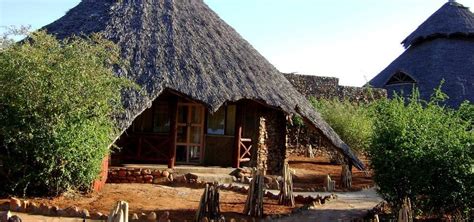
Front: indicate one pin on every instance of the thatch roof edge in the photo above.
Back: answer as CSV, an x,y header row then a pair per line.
x,y
451,20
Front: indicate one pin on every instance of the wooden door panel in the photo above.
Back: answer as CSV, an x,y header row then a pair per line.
x,y
190,133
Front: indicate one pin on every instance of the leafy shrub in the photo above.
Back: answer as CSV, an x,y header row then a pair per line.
x,y
351,121
57,104
466,111
425,152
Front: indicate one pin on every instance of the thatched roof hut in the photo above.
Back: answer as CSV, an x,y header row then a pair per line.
x,y
440,48
183,46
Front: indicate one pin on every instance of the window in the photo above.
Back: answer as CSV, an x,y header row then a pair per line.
x,y
216,122
230,120
222,122
161,118
400,78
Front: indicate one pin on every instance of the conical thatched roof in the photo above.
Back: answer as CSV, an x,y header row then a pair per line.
x,y
451,19
442,48
184,46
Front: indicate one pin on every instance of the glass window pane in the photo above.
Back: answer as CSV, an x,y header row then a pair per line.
x,y
182,134
215,122
230,124
161,118
196,134
196,114
144,122
181,154
194,154
182,114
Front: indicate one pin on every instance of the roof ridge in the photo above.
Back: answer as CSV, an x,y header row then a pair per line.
x,y
451,18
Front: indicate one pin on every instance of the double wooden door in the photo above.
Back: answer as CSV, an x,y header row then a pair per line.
x,y
189,133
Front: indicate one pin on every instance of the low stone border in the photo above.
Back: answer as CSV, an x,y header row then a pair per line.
x,y
139,175
25,206
170,177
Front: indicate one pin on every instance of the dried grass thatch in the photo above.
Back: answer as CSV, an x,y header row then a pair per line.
x,y
182,45
451,19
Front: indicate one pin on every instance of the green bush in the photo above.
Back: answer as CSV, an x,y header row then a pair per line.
x,y
351,121
57,104
466,111
423,151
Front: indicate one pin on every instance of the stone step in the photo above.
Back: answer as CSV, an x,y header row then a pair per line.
x,y
203,170
183,169
211,177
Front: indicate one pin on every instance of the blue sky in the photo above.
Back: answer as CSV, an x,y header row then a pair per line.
x,y
349,39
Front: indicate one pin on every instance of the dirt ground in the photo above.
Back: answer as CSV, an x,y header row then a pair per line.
x,y
310,173
181,202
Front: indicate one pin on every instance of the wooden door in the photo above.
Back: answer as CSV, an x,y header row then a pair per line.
x,y
189,133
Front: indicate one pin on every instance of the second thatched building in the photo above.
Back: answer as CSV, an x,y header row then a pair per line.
x,y
440,49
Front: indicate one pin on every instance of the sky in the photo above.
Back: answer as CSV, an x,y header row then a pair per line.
x,y
350,39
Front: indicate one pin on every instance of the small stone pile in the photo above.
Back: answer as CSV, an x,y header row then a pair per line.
x,y
151,217
244,175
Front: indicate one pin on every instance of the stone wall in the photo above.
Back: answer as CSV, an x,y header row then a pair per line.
x,y
261,153
300,137
321,87
271,141
276,131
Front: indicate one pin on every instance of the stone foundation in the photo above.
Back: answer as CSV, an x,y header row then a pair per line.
x,y
138,175
165,176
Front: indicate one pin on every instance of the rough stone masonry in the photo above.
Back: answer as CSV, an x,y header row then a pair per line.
x,y
319,87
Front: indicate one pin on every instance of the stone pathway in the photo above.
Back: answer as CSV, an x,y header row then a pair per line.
x,y
347,206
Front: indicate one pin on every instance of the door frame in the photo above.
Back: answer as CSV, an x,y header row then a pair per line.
x,y
189,125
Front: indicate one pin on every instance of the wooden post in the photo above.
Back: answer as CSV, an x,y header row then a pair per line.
x,y
209,204
173,130
405,214
238,135
310,151
254,203
329,184
286,196
346,174
119,213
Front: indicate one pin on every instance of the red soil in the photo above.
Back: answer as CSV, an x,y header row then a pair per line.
x,y
181,202
310,173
